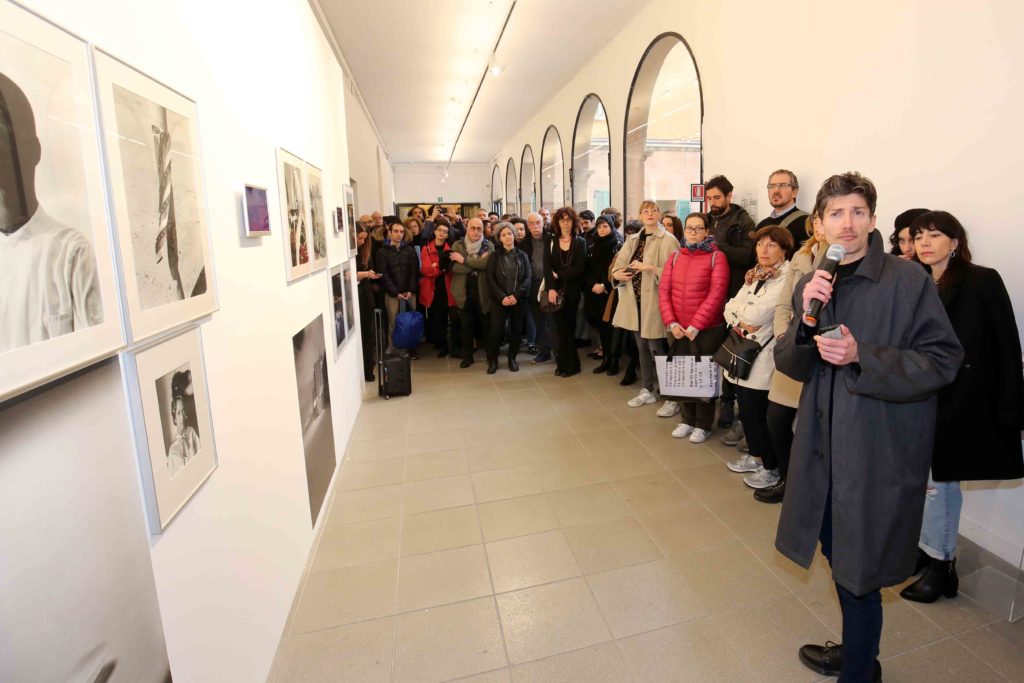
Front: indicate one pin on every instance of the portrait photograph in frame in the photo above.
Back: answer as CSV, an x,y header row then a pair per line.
x,y
171,422
59,308
337,291
151,137
255,211
294,215
310,352
317,218
348,268
350,215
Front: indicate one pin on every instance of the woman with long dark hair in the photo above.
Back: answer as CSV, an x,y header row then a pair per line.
x,y
597,283
565,259
980,415
365,277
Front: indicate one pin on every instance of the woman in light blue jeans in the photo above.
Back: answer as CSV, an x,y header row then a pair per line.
x,y
977,435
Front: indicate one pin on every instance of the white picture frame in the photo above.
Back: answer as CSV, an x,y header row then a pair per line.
x,y
317,226
155,179
255,210
350,215
51,325
294,200
169,405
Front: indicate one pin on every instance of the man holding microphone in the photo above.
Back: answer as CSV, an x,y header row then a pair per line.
x,y
872,361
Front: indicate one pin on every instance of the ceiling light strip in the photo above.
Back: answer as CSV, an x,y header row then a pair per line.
x,y
480,84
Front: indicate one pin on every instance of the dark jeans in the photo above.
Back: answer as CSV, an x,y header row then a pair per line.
x,y
780,427
862,618
567,359
728,394
437,318
472,324
516,318
596,322
754,416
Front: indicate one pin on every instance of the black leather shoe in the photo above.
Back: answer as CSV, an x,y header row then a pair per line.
x,y
602,366
513,365
628,378
558,372
939,579
827,660
613,367
466,362
726,414
772,494
492,367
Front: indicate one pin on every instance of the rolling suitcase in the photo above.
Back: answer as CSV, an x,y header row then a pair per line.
x,y
394,368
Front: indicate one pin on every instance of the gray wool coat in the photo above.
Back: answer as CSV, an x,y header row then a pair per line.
x,y
867,427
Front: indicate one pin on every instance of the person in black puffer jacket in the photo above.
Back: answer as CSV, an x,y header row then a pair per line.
x,y
399,270
602,248
509,277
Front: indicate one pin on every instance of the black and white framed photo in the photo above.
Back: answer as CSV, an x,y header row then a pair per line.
x,y
347,273
255,211
156,183
310,351
294,215
338,309
317,217
350,215
171,422
59,309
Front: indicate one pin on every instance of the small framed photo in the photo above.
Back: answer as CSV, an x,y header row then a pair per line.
x,y
171,422
255,211
317,218
338,309
339,221
350,216
347,274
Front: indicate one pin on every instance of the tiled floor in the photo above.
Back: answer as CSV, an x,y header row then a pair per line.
x,y
525,527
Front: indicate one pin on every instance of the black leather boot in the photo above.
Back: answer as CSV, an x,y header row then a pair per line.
x,y
630,376
613,366
602,366
827,660
513,364
492,366
939,578
922,561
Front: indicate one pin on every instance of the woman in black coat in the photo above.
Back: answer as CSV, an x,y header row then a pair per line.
x,y
981,413
597,287
565,259
509,277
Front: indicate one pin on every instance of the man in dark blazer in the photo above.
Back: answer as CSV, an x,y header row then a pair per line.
x,y
858,471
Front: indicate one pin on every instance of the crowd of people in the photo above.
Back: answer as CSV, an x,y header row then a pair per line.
x,y
935,348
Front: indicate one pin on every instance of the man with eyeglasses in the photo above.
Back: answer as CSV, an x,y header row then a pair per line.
x,y
783,189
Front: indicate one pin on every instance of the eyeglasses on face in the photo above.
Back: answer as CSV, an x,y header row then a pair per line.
x,y
694,229
778,186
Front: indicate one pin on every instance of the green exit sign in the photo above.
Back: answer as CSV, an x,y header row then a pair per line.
x,y
440,199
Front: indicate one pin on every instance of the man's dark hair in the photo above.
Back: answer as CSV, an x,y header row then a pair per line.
x,y
719,182
844,184
391,220
587,215
633,226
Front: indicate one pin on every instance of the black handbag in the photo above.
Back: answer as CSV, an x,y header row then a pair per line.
x,y
737,354
545,304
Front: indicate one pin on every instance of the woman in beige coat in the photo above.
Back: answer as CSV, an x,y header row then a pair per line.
x,y
784,394
637,269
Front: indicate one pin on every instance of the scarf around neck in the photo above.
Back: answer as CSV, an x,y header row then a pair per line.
x,y
704,245
474,248
761,273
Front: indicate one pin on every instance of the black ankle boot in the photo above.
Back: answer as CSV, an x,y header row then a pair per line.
x,y
939,578
513,364
629,377
613,367
602,366
923,559
492,366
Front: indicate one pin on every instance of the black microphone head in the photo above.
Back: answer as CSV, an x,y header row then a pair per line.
x,y
836,253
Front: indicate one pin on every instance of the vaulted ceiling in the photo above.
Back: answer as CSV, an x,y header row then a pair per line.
x,y
417,64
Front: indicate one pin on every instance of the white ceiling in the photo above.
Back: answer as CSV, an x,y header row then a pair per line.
x,y
417,64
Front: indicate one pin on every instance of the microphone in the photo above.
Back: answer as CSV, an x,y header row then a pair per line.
x,y
833,257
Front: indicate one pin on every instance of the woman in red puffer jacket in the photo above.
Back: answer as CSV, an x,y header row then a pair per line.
x,y
692,294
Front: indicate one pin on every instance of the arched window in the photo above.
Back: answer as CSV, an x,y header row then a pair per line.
x,y
496,189
511,188
591,157
552,183
663,128
527,182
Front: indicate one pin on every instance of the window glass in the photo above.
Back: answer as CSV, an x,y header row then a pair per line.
x,y
591,156
511,188
527,183
663,129
496,187
552,184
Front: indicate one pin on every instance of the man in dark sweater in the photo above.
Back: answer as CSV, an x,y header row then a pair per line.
x,y
783,188
399,268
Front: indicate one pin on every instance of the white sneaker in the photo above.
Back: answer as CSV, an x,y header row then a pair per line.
x,y
669,409
746,463
683,430
642,399
699,436
762,478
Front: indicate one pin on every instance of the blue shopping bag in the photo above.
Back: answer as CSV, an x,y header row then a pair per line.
x,y
408,329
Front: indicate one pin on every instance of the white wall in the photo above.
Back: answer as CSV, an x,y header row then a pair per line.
x,y
368,162
227,567
465,183
919,96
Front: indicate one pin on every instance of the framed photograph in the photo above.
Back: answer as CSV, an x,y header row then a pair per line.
x,y
339,221
255,211
171,421
338,308
310,350
59,308
294,214
156,185
317,217
350,215
347,274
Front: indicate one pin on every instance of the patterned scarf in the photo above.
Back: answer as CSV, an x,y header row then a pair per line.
x,y
761,273
704,245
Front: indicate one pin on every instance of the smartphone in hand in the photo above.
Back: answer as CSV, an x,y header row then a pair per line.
x,y
831,331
